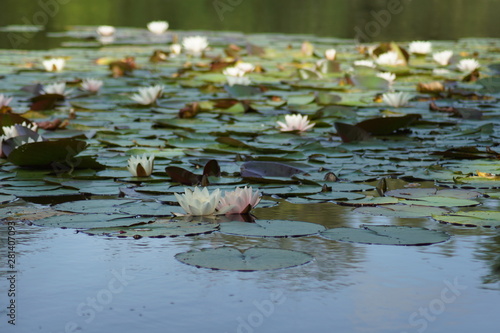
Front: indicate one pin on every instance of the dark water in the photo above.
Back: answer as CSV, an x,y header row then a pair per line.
x,y
366,20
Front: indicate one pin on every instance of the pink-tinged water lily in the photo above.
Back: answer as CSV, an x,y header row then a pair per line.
x,y
4,100
295,122
396,99
443,57
420,47
199,202
56,88
106,30
468,65
195,45
54,64
91,85
388,76
364,63
239,201
141,166
158,27
330,54
390,58
148,95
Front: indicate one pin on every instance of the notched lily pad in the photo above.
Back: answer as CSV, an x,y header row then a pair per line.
x,y
271,228
386,235
253,259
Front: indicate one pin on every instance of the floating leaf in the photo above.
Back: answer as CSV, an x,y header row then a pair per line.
x,y
435,201
386,235
370,201
93,206
405,211
87,221
253,259
387,125
268,169
271,228
490,219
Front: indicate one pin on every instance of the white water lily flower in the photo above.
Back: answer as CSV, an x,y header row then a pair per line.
x,y
106,30
396,99
295,122
468,65
91,85
54,64
148,95
194,45
241,80
56,88
443,57
364,63
4,100
420,47
141,166
233,71
13,131
388,76
199,202
175,49
158,27
330,54
245,67
239,201
390,58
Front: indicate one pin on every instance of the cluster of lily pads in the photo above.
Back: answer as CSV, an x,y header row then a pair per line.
x,y
108,134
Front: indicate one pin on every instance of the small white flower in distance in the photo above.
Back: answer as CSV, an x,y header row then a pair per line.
x,y
56,88
91,85
420,47
443,57
388,76
54,64
330,54
295,122
4,100
106,30
390,58
148,95
195,45
468,65
158,27
141,166
396,99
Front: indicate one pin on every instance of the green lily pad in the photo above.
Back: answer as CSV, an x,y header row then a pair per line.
x,y
333,196
253,259
158,229
150,209
271,228
490,219
93,206
88,221
435,201
386,235
6,198
370,201
406,211
414,193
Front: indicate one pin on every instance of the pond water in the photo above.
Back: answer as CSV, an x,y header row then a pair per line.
x,y
86,277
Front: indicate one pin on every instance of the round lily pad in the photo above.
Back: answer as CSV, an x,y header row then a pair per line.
x,y
436,201
490,219
6,198
386,235
271,228
406,211
332,196
413,193
370,201
158,229
253,259
150,209
88,221
92,206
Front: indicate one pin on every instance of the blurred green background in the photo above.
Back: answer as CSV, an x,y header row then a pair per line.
x,y
412,19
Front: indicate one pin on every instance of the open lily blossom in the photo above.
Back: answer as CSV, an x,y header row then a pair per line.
x,y
420,47
330,54
295,122
199,202
158,27
239,201
195,45
91,85
235,75
443,57
365,63
233,71
141,166
13,131
175,49
54,64
388,76
245,67
4,100
468,65
396,99
390,58
106,30
148,95
56,88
